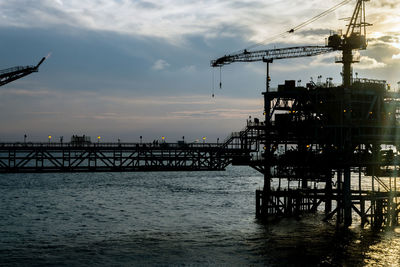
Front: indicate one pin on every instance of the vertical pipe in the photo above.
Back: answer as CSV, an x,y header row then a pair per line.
x,y
362,210
379,213
359,171
258,204
396,200
328,194
347,197
339,198
347,72
267,169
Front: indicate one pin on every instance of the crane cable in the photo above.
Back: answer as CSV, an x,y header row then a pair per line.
x,y
326,12
292,30
301,25
220,77
213,82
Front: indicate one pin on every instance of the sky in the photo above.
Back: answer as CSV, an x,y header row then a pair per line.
x,y
121,69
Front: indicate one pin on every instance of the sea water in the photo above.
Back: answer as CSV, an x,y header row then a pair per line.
x,y
168,218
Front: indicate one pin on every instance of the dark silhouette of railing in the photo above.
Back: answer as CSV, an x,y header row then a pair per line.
x,y
117,157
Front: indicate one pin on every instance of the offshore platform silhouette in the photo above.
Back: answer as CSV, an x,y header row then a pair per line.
x,y
313,143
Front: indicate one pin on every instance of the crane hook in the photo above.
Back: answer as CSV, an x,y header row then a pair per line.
x,y
220,77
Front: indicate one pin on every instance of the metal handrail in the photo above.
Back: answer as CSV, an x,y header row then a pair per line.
x,y
102,145
14,69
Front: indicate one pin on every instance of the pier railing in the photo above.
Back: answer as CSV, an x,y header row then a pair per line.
x,y
117,157
102,145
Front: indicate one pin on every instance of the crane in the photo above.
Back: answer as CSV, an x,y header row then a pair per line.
x,y
15,73
271,54
353,39
268,56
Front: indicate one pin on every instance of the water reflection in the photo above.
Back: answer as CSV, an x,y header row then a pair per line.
x,y
124,219
311,242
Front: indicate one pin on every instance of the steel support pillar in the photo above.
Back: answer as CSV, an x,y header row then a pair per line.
x,y
347,197
339,201
328,195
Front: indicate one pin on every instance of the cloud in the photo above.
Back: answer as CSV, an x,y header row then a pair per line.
x,y
160,64
217,113
177,101
396,56
176,20
189,69
365,61
386,3
324,59
104,44
23,92
63,113
59,2
369,63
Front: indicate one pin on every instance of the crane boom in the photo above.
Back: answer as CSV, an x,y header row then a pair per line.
x,y
354,39
278,53
15,73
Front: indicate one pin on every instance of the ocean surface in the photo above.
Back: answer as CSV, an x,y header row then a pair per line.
x,y
175,218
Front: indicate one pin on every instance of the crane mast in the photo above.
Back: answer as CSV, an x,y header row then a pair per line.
x,y
353,39
325,133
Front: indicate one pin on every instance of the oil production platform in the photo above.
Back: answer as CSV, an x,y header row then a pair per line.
x,y
319,147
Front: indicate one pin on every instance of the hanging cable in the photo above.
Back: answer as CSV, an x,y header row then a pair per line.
x,y
296,28
212,83
220,77
268,40
326,12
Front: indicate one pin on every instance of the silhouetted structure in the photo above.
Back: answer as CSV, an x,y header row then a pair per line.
x,y
83,156
15,73
323,134
312,140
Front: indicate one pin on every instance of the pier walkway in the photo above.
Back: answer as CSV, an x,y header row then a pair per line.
x,y
121,157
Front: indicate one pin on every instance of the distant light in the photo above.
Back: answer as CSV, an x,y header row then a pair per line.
x,y
49,136
204,138
265,148
308,146
370,112
344,111
163,137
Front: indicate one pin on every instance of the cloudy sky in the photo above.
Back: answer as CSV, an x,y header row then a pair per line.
x,y
125,68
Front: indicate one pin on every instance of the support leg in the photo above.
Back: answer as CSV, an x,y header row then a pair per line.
x,y
347,197
328,195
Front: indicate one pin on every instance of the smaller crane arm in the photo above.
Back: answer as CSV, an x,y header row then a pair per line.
x,y
264,55
15,73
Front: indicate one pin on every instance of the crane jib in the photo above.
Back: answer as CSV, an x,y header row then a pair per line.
x,y
278,53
